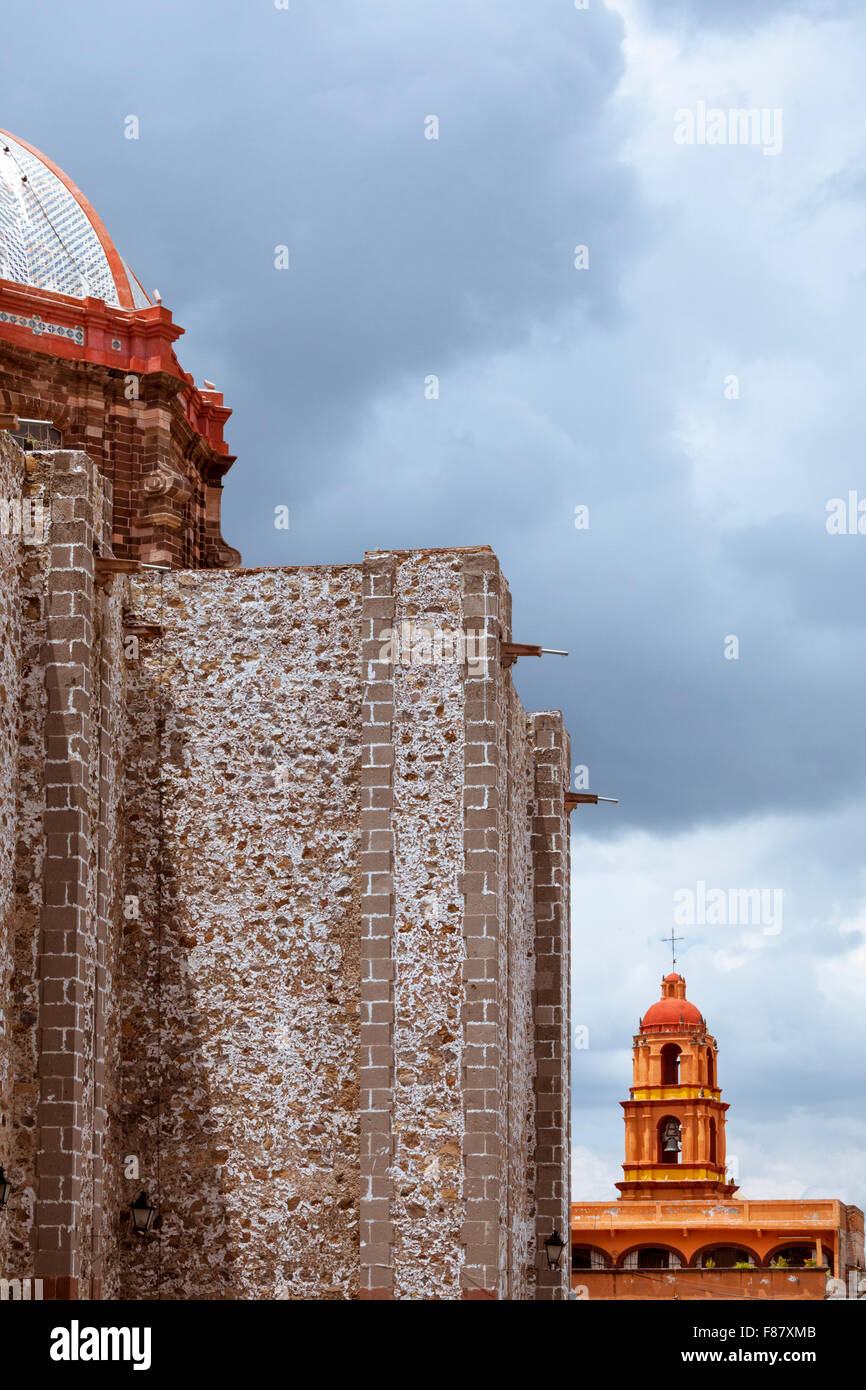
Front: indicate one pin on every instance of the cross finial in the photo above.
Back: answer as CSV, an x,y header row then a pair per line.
x,y
673,946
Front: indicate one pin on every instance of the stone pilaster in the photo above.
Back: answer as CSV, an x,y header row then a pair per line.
x,y
65,1017
483,925
430,993
550,848
377,934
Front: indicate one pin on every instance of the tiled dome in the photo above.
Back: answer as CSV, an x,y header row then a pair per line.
x,y
50,236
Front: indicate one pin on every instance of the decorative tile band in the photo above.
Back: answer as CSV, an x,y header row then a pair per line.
x,y
39,326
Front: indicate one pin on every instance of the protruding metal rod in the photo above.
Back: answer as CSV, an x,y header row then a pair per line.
x,y
553,651
573,799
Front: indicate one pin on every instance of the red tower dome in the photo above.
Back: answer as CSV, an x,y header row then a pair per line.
x,y
673,1010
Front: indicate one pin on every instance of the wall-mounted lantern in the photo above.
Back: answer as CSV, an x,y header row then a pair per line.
x,y
143,1212
554,1245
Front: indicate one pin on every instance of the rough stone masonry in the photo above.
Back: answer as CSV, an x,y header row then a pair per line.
x,y
285,926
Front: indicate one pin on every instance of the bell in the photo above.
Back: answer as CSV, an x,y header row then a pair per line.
x,y
671,1137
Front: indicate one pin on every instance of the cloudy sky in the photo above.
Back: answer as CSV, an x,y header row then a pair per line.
x,y
698,386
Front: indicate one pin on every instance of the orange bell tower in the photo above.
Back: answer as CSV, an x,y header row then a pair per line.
x,y
675,1119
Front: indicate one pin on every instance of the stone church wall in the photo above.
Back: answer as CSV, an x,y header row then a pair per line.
x,y
334,965
283,881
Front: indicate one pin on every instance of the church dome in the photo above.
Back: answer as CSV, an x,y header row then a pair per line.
x,y
668,1012
673,1010
51,238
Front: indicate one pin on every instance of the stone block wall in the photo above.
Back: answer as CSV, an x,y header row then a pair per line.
x,y
284,933
552,992
334,969
11,555
241,963
56,862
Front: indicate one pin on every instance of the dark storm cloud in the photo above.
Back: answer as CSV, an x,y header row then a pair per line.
x,y
669,725
306,128
454,257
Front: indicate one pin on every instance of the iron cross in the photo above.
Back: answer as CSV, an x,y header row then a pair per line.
x,y
674,940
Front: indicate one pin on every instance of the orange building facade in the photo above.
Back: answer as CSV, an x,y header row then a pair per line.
x,y
677,1230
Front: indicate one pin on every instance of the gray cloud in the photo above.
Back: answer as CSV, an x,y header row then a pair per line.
x,y
558,387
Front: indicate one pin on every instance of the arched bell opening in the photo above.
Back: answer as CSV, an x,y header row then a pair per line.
x,y
671,1064
670,1137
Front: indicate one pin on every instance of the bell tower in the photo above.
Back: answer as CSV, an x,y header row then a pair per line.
x,y
675,1117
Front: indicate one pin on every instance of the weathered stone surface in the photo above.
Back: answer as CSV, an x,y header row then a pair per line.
x,y
56,825
241,975
284,932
